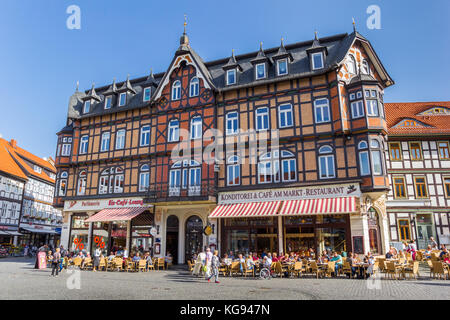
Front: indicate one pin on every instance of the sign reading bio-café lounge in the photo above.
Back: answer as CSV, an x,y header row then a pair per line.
x,y
321,217
100,210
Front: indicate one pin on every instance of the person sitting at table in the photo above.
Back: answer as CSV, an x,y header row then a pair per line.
x,y
337,259
311,253
389,254
447,259
427,252
371,261
231,255
111,256
227,260
255,256
136,257
292,257
267,261
241,262
120,251
443,253
275,257
250,263
168,258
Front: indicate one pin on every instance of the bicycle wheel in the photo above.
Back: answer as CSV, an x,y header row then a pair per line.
x,y
264,274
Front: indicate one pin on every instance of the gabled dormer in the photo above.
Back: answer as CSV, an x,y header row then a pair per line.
x,y
148,87
261,64
232,70
437,110
282,60
109,95
89,100
317,55
411,123
124,91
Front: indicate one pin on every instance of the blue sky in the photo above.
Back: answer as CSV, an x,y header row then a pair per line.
x,y
41,60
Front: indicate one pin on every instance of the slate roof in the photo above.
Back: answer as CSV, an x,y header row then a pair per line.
x,y
336,47
438,124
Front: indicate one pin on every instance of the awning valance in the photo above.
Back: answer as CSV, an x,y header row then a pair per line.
x,y
251,209
14,233
318,206
36,230
122,214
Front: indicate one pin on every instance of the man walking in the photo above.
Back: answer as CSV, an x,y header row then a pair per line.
x,y
214,267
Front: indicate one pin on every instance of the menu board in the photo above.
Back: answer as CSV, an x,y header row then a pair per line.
x,y
42,260
358,245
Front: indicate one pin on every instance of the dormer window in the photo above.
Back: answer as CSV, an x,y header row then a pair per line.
x,y
365,67
351,65
260,71
176,90
317,60
147,94
108,102
37,169
87,106
231,77
282,67
122,99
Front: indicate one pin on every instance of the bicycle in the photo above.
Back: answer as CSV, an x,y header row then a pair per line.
x,y
265,274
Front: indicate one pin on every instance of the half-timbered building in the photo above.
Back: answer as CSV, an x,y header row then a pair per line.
x,y
276,150
419,172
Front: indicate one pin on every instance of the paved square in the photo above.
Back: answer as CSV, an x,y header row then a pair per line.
x,y
19,280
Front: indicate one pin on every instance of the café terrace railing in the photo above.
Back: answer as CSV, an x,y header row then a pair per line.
x,y
167,193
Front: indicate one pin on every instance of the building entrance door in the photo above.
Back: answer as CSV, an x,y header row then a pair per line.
x,y
425,230
172,237
194,236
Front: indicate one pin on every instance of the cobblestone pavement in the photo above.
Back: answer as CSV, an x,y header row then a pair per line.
x,y
18,280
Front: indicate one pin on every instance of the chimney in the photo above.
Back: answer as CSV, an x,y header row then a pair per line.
x,y
13,143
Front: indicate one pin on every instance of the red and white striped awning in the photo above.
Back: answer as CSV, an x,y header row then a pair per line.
x,y
122,214
318,206
250,209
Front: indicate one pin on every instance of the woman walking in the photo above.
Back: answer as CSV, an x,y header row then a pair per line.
x,y
55,262
97,254
215,267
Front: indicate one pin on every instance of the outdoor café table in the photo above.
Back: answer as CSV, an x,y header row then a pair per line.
x,y
362,265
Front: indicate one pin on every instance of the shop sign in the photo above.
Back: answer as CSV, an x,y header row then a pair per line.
x,y
100,204
300,193
153,231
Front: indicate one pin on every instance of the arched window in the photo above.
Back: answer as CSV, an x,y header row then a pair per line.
x,y
176,90
185,174
269,167
364,165
365,67
174,131
288,166
63,183
351,64
326,162
81,183
233,171
375,152
144,178
194,87
111,181
196,128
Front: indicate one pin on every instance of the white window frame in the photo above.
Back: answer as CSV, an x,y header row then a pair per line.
x,y
174,131
278,67
234,121
105,141
108,98
194,87
81,186
149,89
66,149
314,61
176,90
233,171
357,109
144,138
256,71
288,114
120,139
87,106
196,128
144,178
322,107
260,114
84,144
123,94
370,109
228,78
327,155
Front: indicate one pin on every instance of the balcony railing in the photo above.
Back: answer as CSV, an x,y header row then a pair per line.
x,y
167,193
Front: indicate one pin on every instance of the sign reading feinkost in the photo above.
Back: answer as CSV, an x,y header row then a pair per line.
x,y
82,205
300,193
